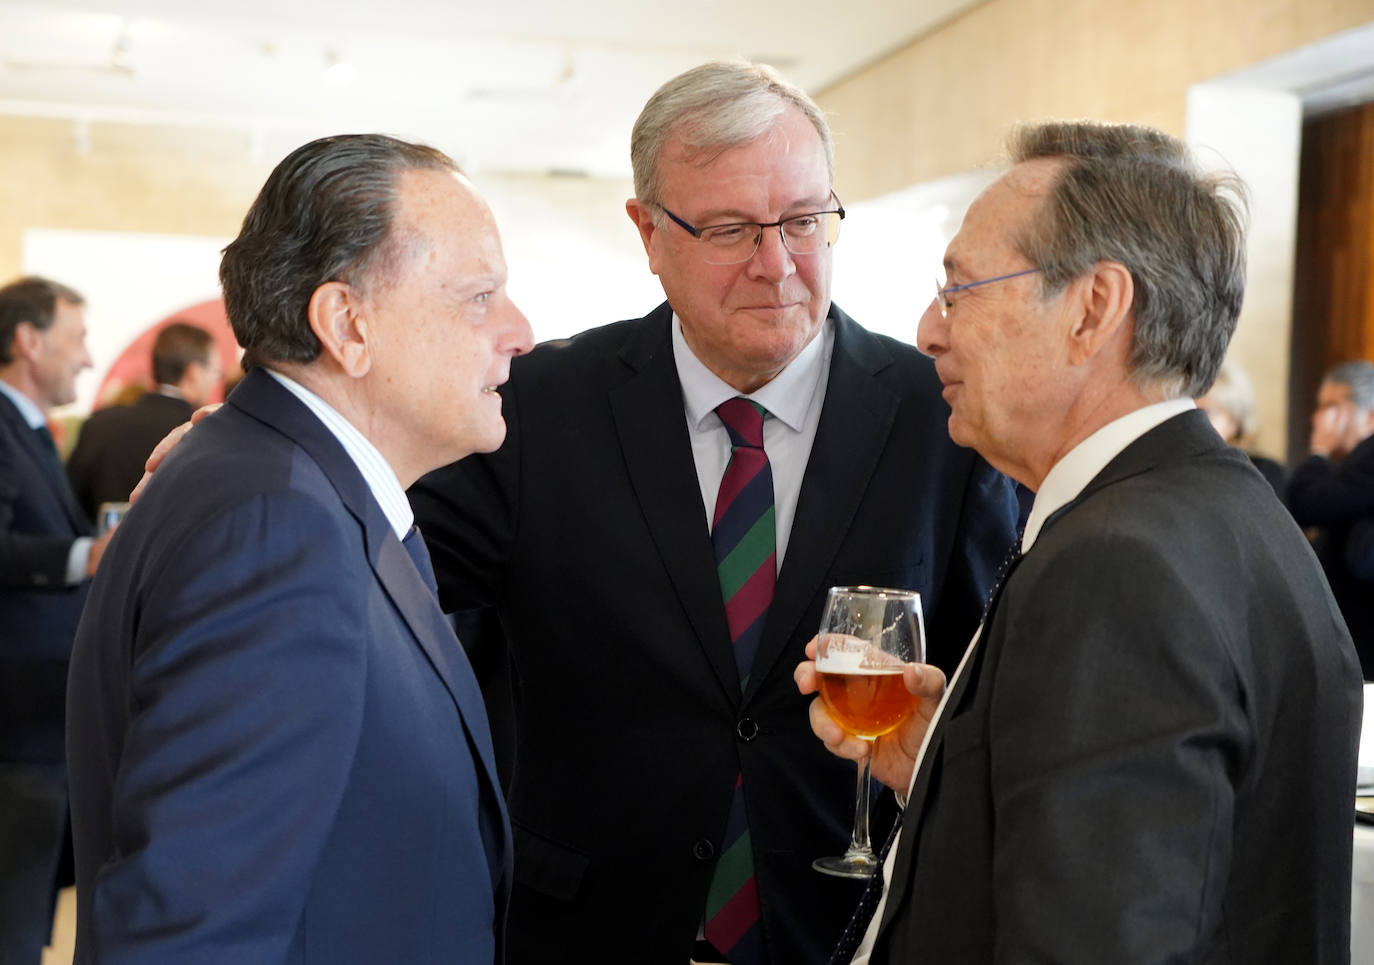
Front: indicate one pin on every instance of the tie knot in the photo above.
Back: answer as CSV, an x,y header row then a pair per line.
x,y
744,421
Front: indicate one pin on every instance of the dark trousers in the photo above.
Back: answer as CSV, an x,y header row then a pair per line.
x,y
33,833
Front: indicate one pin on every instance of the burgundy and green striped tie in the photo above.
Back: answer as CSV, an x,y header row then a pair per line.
x,y
743,534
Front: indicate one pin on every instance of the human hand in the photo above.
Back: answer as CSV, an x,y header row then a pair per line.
x,y
168,443
894,754
1331,425
97,551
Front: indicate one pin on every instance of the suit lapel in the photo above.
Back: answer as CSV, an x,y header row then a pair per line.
x,y
48,465
649,420
855,422
265,399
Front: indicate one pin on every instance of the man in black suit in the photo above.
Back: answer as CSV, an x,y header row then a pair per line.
x,y
666,788
1148,753
1332,491
46,556
107,461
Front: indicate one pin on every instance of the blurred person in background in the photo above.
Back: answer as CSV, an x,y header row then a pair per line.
x,y
107,461
47,555
1332,493
1230,405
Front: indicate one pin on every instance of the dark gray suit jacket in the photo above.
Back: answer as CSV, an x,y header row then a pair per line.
x,y
587,532
1151,755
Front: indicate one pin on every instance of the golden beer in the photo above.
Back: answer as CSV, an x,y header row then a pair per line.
x,y
866,703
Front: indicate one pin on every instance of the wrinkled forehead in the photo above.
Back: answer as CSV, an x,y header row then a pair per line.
x,y
998,216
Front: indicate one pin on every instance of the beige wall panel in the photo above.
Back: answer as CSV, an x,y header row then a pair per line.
x,y
942,104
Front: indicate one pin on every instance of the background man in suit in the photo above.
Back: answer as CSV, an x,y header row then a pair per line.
x,y
1332,490
107,461
46,555
700,798
1148,755
279,752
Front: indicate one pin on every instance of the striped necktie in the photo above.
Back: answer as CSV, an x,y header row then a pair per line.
x,y
743,535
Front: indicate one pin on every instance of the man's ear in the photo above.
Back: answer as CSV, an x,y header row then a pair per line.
x,y
339,318
1104,300
643,217
27,339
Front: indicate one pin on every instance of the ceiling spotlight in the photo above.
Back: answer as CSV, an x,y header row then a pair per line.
x,y
337,72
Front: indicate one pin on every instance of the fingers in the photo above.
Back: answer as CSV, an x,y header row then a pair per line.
x,y
203,411
924,680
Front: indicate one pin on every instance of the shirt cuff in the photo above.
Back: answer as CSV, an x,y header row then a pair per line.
x,y
77,558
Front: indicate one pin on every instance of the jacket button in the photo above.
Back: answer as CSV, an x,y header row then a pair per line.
x,y
747,729
703,850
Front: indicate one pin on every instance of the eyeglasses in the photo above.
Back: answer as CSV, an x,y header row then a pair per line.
x,y
942,294
735,243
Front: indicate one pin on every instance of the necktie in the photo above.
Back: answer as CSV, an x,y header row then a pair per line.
x,y
868,903
743,535
46,440
419,555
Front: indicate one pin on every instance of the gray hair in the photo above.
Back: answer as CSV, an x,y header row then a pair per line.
x,y
713,108
30,299
1133,195
325,214
1358,377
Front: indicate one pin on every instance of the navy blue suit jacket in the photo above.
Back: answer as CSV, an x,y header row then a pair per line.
x,y
39,520
586,531
278,751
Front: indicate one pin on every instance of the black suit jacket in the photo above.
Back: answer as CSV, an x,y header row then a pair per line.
x,y
1336,498
39,520
278,752
107,461
587,532
1150,757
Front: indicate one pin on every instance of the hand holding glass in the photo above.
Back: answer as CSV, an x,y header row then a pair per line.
x,y
867,634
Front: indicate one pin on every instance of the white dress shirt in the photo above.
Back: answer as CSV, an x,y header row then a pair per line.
x,y
376,471
793,398
1065,480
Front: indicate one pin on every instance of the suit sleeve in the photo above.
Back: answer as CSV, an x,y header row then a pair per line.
x,y
1321,492
246,688
27,560
1118,723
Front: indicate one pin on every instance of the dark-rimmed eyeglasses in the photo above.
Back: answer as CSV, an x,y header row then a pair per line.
x,y
942,293
735,243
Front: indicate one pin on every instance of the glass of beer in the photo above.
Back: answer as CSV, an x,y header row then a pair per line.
x,y
867,634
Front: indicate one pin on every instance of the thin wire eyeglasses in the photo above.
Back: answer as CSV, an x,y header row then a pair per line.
x,y
943,301
735,243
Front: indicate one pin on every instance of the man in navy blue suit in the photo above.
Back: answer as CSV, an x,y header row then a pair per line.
x,y
46,555
278,749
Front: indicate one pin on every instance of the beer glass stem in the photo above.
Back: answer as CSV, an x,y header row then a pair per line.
x,y
859,841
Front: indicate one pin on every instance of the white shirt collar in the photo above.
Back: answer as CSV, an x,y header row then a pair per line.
x,y
376,471
1070,475
787,397
29,409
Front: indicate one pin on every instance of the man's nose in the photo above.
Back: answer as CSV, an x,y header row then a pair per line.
x,y
932,331
771,258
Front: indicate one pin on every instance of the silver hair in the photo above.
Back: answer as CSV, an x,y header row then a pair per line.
x,y
1358,377
1133,195
711,109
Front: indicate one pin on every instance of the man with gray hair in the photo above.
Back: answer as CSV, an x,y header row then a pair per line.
x,y
655,591
278,750
1148,752
1332,491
